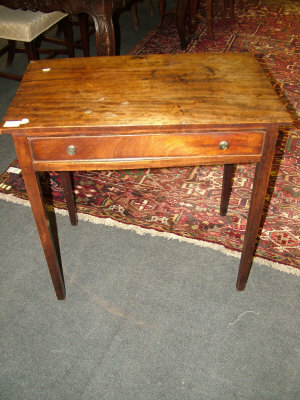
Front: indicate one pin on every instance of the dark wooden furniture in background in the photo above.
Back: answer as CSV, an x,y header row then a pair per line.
x,y
101,12
145,111
12,29
135,12
187,16
194,15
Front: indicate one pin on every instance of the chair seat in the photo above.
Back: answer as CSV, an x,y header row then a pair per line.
x,y
25,26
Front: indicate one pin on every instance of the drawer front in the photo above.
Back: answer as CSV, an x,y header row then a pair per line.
x,y
145,146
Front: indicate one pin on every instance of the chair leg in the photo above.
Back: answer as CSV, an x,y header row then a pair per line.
x,y
151,7
231,9
69,196
192,19
162,8
84,33
10,49
223,12
226,187
209,19
134,15
31,52
68,36
11,52
181,14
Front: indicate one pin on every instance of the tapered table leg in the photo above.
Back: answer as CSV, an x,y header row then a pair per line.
x,y
226,188
260,185
41,218
69,195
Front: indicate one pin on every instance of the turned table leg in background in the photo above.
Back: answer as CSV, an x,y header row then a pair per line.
x,y
41,218
260,185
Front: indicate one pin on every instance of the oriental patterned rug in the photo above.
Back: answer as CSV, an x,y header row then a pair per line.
x,y
183,203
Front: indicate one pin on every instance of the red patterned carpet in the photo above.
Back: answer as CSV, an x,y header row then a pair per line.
x,y
185,201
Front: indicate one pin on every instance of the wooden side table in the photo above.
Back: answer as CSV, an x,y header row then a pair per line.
x,y
144,111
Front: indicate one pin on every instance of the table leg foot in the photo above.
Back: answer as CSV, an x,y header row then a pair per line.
x,y
241,286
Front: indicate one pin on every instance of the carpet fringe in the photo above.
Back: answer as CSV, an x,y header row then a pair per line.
x,y
144,231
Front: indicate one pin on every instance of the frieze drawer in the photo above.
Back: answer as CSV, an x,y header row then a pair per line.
x,y
146,146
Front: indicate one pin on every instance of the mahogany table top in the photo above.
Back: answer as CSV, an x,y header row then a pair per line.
x,y
145,91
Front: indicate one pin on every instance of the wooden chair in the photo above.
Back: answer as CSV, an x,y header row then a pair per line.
x,y
187,12
28,27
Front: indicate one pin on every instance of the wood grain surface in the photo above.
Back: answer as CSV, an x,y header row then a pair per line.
x,y
154,90
144,146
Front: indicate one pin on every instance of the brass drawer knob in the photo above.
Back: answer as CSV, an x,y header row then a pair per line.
x,y
71,150
223,145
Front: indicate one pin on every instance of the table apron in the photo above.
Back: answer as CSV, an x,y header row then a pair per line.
x,y
138,163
